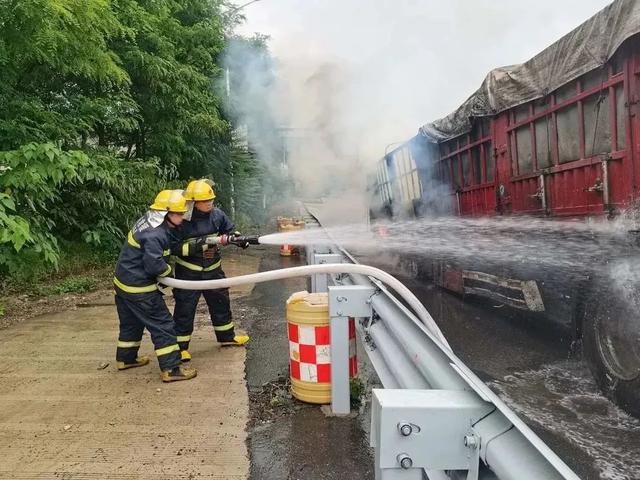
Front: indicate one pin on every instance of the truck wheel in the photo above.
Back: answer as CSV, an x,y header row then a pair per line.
x,y
611,343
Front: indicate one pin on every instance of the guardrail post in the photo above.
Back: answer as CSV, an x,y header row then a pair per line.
x,y
319,283
344,302
340,392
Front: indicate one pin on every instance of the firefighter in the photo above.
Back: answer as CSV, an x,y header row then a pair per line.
x,y
143,259
196,260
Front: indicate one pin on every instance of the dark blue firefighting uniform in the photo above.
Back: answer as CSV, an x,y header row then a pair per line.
x,y
143,258
196,261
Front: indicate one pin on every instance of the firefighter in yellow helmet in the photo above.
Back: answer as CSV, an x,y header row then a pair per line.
x,y
203,263
140,305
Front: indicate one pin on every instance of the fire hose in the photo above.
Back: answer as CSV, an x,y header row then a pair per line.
x,y
306,270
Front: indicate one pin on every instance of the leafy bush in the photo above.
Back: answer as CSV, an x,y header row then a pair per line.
x,y
70,285
52,195
104,103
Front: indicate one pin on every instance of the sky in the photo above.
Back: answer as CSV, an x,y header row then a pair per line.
x,y
379,69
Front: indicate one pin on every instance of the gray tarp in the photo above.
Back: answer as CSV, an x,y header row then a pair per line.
x,y
584,49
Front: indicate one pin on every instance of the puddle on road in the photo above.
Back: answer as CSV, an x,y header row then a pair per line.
x,y
563,398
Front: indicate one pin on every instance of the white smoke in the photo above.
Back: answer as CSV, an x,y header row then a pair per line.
x,y
356,77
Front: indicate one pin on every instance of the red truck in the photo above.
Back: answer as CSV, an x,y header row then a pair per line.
x,y
557,137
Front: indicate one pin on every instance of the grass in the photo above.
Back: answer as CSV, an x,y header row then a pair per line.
x,y
357,390
72,284
79,270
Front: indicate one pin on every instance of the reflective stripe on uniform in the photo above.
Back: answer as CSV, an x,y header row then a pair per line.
x,y
130,289
167,350
123,344
183,338
185,249
166,272
132,241
198,268
213,267
223,328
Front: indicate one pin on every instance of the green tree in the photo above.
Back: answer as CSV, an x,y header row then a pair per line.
x,y
105,102
169,50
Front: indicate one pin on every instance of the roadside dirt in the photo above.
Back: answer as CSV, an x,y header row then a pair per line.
x,y
273,401
21,307
66,412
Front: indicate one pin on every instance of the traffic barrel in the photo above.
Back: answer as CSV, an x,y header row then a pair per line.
x,y
308,326
286,250
289,225
282,221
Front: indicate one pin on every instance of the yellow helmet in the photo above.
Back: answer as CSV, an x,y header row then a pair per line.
x,y
177,202
199,190
162,200
170,201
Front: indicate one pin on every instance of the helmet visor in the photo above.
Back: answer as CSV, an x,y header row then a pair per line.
x,y
187,215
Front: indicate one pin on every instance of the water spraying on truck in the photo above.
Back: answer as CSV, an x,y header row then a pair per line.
x,y
503,241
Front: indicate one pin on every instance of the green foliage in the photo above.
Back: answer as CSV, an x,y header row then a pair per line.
x,y
357,390
78,284
51,194
56,71
105,102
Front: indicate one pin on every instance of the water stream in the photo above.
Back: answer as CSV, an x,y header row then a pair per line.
x,y
492,240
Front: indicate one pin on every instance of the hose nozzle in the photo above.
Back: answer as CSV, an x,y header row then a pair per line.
x,y
239,240
243,240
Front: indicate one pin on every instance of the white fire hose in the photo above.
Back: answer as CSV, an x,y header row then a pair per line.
x,y
305,270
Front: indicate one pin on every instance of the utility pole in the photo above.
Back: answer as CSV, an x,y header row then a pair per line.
x,y
232,206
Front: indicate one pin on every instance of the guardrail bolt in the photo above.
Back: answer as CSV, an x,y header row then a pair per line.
x,y
470,441
405,461
405,429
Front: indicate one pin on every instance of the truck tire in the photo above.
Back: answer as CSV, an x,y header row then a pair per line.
x,y
611,342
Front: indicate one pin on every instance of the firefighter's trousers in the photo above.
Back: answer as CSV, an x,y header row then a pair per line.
x,y
187,302
140,310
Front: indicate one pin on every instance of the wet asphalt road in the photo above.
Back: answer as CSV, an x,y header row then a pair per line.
x,y
530,366
303,443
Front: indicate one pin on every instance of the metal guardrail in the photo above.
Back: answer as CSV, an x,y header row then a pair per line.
x,y
434,417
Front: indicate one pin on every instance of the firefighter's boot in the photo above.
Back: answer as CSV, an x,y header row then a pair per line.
x,y
238,341
140,362
185,356
178,373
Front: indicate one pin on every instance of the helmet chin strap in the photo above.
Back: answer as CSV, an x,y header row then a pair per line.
x,y
168,219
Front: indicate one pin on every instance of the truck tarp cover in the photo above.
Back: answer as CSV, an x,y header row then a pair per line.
x,y
584,49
